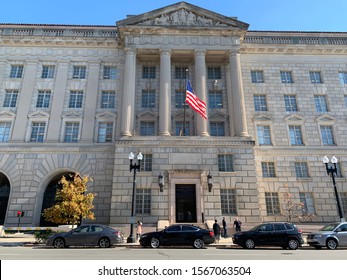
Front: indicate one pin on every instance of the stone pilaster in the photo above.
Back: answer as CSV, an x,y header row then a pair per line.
x,y
165,93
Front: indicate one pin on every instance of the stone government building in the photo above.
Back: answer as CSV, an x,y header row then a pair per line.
x,y
81,98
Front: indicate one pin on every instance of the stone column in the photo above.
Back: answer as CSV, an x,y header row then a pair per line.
x,y
24,102
128,95
57,102
239,108
90,103
165,93
200,89
230,100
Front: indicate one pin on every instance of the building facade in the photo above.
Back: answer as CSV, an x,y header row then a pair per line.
x,y
79,99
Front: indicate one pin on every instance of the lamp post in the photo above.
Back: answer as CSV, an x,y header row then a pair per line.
x,y
332,171
135,167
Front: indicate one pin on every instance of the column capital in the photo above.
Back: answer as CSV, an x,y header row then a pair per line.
x,y
165,51
199,52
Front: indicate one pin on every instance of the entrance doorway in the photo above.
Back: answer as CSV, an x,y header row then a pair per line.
x,y
185,203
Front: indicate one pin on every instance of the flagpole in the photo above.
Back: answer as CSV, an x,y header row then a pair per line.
x,y
184,104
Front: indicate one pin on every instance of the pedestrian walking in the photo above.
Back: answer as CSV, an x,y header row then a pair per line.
x,y
138,230
216,231
224,223
237,224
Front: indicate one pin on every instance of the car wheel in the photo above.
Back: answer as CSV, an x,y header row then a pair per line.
x,y
155,242
249,244
293,244
198,243
104,242
331,244
59,243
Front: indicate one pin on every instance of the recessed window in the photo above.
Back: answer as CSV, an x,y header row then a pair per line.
x,y
148,99
147,128
225,163
343,78
321,103
11,98
286,77
143,202
43,99
306,198
71,132
268,169
181,129
214,73
228,201
180,73
16,71
290,103
105,132
217,128
264,135
76,99
257,76
108,98
301,170
327,135
148,72
79,72
260,102
5,128
110,73
147,162
38,132
316,77
272,203
215,99
295,135
47,71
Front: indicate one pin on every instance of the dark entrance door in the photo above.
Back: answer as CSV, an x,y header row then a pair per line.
x,y
185,203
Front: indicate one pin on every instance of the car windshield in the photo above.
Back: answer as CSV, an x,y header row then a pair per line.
x,y
330,227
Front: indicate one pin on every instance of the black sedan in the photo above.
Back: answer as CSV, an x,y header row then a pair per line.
x,y
284,235
87,235
178,235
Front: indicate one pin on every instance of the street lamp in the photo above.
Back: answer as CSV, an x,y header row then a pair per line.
x,y
332,171
135,167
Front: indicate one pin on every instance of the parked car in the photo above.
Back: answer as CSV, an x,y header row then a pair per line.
x,y
330,236
285,235
87,235
178,235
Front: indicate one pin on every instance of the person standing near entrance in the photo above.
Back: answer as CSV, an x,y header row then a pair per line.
x,y
224,223
237,224
216,231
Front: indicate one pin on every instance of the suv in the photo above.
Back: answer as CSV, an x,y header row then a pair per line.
x,y
284,235
329,236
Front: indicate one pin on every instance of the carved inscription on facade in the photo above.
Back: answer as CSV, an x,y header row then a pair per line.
x,y
187,158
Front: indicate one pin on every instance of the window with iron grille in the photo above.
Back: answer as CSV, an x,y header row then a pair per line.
x,y
343,78
147,128
143,201
71,132
215,99
181,129
148,99
11,98
295,135
108,99
76,99
105,132
321,103
301,170
316,77
272,203
214,73
257,76
38,131
110,73
79,72
228,201
260,102
217,128
290,103
181,73
5,128
146,163
43,99
327,135
286,77
306,198
47,71
225,163
148,72
16,71
264,135
268,169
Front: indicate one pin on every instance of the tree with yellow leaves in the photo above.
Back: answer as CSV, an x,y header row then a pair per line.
x,y
73,203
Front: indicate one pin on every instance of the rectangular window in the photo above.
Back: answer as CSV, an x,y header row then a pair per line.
x,y
306,199
110,73
47,72
260,102
343,78
286,77
105,132
71,132
301,170
181,130
180,99
272,203
148,99
225,163
16,71
146,163
343,199
5,128
295,135
11,98
180,73
290,103
217,129
143,201
148,72
327,135
108,99
215,99
228,201
38,132
79,72
214,73
321,103
43,99
268,169
316,77
76,99
147,128
264,136
257,77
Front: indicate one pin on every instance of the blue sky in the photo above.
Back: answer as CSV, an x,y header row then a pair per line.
x,y
291,15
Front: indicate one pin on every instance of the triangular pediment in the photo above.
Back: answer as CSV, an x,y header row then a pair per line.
x,y
326,119
262,118
147,115
7,114
106,115
72,115
218,115
294,118
179,115
183,14
38,114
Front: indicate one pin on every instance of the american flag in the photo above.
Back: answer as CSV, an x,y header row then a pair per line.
x,y
194,102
